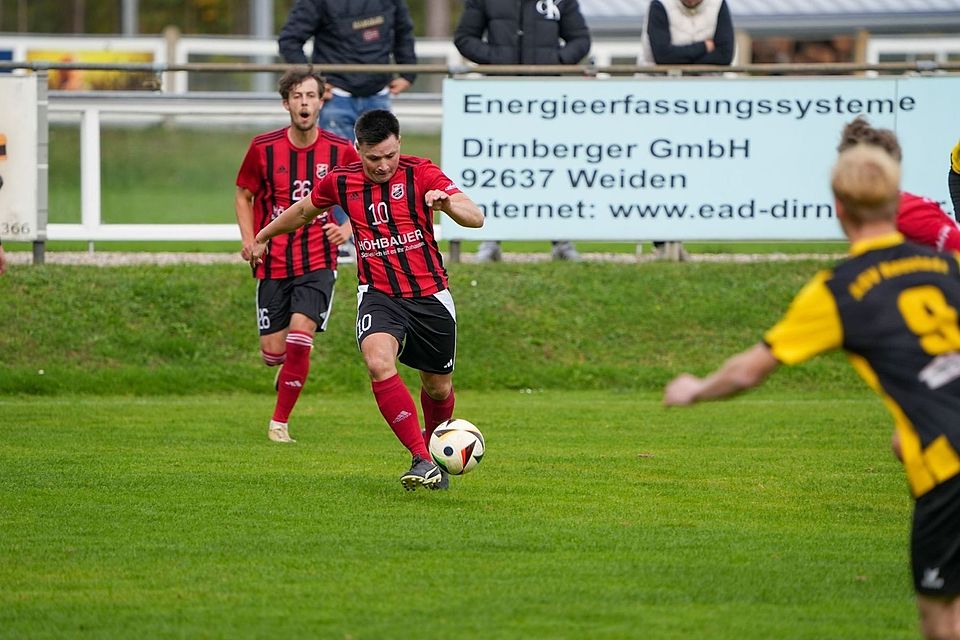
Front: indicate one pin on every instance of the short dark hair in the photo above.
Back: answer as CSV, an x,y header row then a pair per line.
x,y
373,127
859,131
296,75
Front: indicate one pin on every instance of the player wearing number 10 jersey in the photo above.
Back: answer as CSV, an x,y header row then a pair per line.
x,y
404,310
296,278
893,307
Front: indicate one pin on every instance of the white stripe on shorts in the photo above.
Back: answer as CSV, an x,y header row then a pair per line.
x,y
447,300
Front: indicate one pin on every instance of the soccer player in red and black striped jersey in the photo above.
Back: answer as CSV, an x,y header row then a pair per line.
x,y
919,219
893,307
296,277
404,310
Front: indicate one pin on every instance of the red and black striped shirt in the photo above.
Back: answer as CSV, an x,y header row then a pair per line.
x,y
279,174
397,251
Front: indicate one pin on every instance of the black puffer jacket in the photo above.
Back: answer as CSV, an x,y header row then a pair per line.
x,y
351,32
522,32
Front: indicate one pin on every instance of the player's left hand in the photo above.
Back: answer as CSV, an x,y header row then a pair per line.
x,y
336,233
682,390
437,199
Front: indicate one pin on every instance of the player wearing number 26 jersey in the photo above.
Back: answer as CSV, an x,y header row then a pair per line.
x,y
278,173
893,307
295,280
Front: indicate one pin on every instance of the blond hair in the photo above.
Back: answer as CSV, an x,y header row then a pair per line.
x,y
866,182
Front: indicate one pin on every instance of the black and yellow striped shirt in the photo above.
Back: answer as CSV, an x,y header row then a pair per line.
x,y
892,306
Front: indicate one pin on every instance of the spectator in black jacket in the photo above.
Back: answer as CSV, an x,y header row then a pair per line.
x,y
523,32
352,32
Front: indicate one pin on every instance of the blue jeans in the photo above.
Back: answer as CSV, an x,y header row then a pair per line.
x,y
338,116
340,113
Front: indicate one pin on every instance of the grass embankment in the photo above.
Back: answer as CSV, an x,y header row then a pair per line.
x,y
188,329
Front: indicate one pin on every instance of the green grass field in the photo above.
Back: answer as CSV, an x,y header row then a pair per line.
x,y
594,515
140,495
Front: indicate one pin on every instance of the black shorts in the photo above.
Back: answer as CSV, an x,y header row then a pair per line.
x,y
426,328
310,294
935,540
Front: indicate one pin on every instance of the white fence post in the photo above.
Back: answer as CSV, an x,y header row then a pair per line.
x,y
90,171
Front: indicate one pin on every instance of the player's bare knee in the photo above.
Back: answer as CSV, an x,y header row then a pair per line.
x,y
437,387
380,366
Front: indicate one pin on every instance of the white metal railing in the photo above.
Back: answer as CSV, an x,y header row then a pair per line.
x,y
185,49
91,109
415,110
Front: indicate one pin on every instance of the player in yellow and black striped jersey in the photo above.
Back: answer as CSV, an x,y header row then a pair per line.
x,y
893,307
953,179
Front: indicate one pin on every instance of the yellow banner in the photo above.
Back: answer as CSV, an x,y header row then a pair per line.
x,y
87,80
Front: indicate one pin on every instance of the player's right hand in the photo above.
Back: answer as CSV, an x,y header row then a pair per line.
x,y
255,250
682,390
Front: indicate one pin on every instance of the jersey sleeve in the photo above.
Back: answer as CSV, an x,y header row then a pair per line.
x,y
432,177
348,155
810,326
249,175
921,220
324,192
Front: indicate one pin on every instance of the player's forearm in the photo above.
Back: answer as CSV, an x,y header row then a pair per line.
x,y
739,373
292,218
244,211
464,212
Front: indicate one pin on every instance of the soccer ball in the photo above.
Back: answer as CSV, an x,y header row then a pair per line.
x,y
456,446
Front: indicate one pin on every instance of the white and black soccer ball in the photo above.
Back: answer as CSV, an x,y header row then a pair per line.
x,y
456,446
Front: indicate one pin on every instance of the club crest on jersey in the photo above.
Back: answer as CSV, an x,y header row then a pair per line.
x,y
321,170
396,191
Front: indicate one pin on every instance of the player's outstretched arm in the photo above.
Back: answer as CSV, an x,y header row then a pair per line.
x,y
292,218
743,371
458,206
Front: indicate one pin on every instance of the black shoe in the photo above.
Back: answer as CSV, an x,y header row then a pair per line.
x,y
423,473
444,483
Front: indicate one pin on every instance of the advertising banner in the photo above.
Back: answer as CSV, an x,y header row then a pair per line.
x,y
18,158
679,158
90,80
